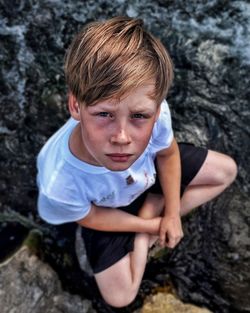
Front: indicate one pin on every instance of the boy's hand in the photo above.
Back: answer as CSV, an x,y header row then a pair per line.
x,y
170,231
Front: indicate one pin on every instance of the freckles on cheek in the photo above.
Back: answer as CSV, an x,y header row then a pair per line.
x,y
144,139
93,135
96,123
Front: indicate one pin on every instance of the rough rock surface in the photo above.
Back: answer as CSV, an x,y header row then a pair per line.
x,y
213,258
29,285
209,44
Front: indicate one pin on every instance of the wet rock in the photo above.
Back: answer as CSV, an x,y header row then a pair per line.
x,y
209,44
27,284
210,266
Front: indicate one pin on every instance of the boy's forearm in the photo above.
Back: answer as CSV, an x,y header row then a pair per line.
x,y
169,170
110,219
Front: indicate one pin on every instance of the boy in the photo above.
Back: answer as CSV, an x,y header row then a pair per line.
x,y
99,168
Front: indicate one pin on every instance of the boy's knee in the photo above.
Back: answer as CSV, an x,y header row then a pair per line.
x,y
230,171
120,299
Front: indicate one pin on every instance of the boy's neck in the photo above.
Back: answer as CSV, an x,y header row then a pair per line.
x,y
75,144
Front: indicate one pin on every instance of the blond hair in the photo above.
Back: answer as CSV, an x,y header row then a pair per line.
x,y
109,59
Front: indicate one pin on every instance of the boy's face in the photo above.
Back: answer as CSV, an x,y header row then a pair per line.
x,y
114,134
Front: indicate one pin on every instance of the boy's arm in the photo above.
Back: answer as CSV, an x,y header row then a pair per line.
x,y
110,219
169,171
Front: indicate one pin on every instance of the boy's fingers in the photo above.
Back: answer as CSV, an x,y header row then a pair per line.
x,y
162,239
171,243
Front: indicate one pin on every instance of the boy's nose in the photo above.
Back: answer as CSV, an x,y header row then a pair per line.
x,y
121,137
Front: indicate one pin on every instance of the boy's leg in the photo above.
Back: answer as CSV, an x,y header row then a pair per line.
x,y
120,282
215,175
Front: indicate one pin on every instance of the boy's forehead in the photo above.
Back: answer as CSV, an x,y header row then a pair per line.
x,y
139,97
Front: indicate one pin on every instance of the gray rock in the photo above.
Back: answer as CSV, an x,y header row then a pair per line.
x,y
29,285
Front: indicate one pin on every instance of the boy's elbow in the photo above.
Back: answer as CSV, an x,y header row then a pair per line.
x,y
87,220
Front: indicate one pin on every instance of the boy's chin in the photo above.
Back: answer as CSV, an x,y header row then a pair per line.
x,y
118,166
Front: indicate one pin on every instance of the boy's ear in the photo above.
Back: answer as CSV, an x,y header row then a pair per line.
x,y
74,107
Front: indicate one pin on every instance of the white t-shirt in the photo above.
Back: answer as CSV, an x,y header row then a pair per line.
x,y
68,186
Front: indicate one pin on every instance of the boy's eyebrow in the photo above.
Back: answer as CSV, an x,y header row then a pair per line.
x,y
149,107
140,109
105,106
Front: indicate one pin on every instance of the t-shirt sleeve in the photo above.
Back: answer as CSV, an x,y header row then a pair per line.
x,y
162,135
60,212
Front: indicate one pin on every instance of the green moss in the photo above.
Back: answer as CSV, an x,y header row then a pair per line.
x,y
67,260
161,253
33,240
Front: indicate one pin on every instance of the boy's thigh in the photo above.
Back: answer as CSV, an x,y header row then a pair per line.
x,y
106,248
217,169
192,159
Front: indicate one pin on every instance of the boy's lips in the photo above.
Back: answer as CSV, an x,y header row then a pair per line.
x,y
119,157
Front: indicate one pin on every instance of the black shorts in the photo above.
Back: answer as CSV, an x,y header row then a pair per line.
x,y
106,248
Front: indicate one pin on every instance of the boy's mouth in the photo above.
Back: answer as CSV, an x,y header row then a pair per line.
x,y
119,157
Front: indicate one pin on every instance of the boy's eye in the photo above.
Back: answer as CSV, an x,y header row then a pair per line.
x,y
105,114
138,116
